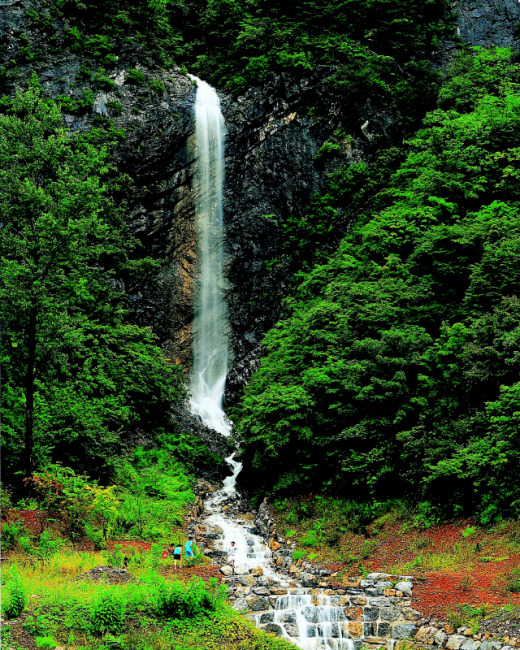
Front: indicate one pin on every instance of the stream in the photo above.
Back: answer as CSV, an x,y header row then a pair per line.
x,y
311,616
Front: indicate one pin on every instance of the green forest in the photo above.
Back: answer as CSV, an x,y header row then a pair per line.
x,y
389,383
394,369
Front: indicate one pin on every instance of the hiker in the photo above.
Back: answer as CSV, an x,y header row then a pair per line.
x,y
231,554
189,548
125,563
177,555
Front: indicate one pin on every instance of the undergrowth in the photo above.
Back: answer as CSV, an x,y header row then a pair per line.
x,y
147,612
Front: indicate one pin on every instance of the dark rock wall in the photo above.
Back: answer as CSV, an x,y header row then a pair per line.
x,y
488,22
273,135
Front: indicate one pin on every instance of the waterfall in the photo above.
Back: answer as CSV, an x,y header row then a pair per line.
x,y
210,339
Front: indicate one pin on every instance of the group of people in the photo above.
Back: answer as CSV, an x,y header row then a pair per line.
x,y
175,550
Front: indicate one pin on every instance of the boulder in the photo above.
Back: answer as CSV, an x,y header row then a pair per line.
x,y
257,604
226,570
404,631
257,571
455,641
272,628
240,570
240,605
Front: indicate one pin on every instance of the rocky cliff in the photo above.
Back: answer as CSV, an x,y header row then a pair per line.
x,y
274,133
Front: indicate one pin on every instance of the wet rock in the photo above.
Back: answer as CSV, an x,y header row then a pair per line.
x,y
308,580
310,614
292,630
354,613
268,617
383,629
257,604
257,571
240,570
226,570
261,591
355,629
272,628
240,605
370,613
289,617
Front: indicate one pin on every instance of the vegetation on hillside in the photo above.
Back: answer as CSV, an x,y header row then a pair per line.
x,y
80,381
393,372
144,611
369,52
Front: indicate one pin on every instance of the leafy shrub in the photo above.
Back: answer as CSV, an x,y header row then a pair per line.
x,y
47,547
157,85
107,614
513,581
102,81
115,556
11,534
175,600
16,599
310,538
114,107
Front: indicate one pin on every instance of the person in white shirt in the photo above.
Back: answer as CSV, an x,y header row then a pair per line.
x,y
231,554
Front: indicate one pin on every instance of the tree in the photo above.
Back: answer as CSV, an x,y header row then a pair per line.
x,y
75,370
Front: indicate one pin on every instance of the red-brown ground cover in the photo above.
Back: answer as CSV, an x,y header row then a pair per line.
x,y
455,563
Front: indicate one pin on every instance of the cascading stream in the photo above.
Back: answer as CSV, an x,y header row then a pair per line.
x,y
210,339
310,622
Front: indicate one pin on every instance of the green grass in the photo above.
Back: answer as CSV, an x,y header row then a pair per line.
x,y
151,614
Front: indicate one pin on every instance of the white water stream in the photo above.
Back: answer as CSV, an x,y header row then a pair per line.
x,y
311,621
210,339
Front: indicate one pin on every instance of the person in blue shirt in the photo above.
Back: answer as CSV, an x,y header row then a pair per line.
x,y
177,556
189,548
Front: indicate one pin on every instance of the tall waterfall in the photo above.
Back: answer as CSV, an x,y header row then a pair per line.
x,y
210,340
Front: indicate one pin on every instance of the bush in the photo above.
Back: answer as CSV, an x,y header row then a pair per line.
x,y
16,600
45,642
11,535
107,614
513,581
135,77
175,600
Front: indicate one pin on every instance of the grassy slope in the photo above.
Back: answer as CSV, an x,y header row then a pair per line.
x,y
65,610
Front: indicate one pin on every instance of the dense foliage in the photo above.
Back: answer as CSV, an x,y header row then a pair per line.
x,y
394,370
79,379
375,52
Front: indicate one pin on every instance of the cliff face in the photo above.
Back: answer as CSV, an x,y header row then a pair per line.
x,y
274,133
488,22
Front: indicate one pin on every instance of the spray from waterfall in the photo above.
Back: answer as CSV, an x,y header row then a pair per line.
x,y
210,338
